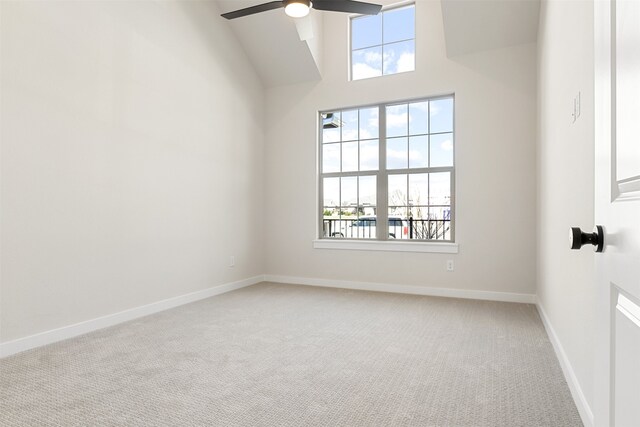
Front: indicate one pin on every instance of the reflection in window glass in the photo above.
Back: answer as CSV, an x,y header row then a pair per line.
x,y
331,127
372,54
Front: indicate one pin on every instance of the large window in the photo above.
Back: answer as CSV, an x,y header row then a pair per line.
x,y
383,44
387,171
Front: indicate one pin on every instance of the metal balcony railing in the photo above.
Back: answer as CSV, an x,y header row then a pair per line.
x,y
405,229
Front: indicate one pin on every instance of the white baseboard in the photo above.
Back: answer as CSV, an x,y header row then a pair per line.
x,y
66,332
569,374
405,289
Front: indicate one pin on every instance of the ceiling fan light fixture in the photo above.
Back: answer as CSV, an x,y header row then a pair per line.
x,y
297,8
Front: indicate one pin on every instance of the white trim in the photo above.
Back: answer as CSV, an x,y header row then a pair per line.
x,y
48,337
574,386
405,289
629,309
390,246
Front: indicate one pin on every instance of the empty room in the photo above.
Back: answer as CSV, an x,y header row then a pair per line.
x,y
320,213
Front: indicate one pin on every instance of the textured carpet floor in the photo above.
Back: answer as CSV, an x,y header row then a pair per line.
x,y
281,355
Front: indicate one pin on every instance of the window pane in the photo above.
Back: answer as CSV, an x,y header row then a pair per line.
x,y
350,125
331,190
399,57
350,156
419,212
399,24
331,158
418,189
419,136
419,151
366,63
439,188
369,155
397,213
440,223
366,31
441,112
397,154
420,223
397,120
398,226
440,213
442,150
397,190
349,192
367,193
331,127
369,123
418,118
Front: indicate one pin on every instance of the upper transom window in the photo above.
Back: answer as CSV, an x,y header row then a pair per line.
x,y
384,43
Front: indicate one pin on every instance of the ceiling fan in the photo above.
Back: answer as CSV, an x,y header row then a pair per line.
x,y
300,8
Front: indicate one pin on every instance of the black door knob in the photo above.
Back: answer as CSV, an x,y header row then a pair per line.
x,y
578,238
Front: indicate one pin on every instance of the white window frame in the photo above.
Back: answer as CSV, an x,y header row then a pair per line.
x,y
382,241
384,9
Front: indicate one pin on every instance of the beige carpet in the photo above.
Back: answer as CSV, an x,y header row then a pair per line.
x,y
281,355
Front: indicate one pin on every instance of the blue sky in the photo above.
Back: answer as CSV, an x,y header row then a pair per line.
x,y
383,43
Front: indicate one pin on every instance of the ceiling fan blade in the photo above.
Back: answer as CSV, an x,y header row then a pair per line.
x,y
348,6
253,9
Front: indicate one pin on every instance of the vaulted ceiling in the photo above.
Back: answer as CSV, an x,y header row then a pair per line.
x,y
284,50
272,40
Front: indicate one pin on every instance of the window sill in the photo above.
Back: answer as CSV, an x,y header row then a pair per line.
x,y
388,246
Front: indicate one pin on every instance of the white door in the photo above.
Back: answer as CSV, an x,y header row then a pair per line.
x,y
617,202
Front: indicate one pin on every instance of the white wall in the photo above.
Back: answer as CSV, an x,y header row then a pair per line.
x,y
132,158
566,286
495,160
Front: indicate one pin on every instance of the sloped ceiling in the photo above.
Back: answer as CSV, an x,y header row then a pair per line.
x,y
273,45
476,25
273,42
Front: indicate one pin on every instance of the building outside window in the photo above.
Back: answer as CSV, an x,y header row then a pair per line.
x,y
383,44
387,171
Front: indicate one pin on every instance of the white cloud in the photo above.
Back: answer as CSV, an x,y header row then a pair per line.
x,y
365,134
447,145
406,62
372,57
350,134
363,71
397,120
421,106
